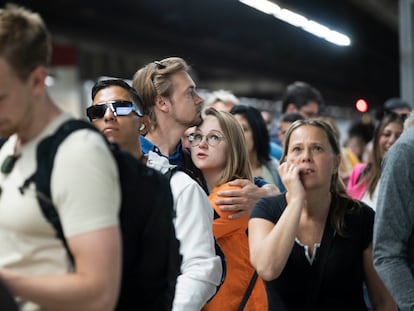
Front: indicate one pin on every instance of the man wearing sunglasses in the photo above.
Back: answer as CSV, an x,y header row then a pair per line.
x,y
116,111
34,264
170,97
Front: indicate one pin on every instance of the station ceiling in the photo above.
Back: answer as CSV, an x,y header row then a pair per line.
x,y
235,47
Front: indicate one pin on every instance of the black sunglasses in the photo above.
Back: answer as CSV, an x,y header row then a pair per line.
x,y
118,108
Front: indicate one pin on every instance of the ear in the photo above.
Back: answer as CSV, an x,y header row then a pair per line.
x,y
146,123
162,103
37,79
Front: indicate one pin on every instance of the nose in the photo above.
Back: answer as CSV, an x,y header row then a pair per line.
x,y
306,155
392,139
203,142
198,99
109,115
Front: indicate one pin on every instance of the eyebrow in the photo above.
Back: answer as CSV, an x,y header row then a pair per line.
x,y
211,131
313,143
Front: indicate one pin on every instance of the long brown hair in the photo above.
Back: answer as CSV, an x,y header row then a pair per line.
x,y
340,199
372,172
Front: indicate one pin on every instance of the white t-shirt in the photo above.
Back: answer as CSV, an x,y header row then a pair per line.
x,y
371,201
85,190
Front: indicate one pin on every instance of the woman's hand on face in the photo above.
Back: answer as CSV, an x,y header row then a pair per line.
x,y
290,175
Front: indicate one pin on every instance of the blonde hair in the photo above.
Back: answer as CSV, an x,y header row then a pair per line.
x,y
25,42
238,164
154,80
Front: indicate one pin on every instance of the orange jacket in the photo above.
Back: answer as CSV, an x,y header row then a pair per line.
x,y
232,238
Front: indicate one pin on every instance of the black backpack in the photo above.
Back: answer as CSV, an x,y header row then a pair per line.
x,y
7,301
151,259
2,141
199,178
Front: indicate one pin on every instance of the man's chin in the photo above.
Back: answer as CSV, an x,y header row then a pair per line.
x,y
111,139
197,122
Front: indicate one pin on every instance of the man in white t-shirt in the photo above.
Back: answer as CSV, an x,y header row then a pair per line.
x,y
84,186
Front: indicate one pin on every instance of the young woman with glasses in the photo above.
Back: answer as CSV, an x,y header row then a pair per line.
x,y
218,149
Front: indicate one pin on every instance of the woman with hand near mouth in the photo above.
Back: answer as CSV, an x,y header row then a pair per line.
x,y
218,149
313,244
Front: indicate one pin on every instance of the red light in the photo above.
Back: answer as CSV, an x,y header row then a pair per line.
x,y
361,105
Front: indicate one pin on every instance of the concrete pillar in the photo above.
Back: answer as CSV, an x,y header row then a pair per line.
x,y
406,31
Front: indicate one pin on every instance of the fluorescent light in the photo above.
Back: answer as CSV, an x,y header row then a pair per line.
x,y
338,38
300,21
263,6
291,18
316,29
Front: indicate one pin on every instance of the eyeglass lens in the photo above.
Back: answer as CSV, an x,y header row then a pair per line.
x,y
211,139
119,108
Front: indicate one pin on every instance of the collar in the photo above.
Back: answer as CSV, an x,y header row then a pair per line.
x,y
175,159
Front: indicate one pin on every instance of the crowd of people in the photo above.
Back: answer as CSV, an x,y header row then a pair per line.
x,y
300,223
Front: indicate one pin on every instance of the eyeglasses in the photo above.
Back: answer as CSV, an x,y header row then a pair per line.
x,y
118,108
211,139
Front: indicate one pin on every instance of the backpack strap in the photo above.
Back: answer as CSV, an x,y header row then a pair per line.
x,y
248,292
171,171
45,156
7,301
219,251
2,141
194,172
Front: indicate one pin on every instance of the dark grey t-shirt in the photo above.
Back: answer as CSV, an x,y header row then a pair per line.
x,y
394,221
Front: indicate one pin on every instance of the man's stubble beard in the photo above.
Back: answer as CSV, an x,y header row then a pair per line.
x,y
198,121
195,122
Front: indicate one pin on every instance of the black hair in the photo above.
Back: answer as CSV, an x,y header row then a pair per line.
x,y
300,94
259,130
365,130
291,117
103,84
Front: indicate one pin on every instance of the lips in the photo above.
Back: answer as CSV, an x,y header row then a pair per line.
x,y
110,129
201,155
306,171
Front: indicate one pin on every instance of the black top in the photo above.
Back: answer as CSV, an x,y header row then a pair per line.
x,y
342,275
